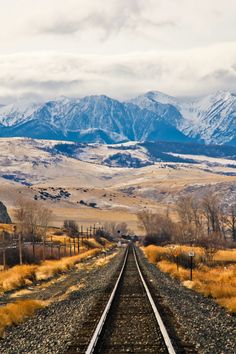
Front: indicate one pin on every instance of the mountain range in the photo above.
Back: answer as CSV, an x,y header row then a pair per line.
x,y
153,116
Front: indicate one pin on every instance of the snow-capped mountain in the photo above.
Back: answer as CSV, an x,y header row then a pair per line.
x,y
89,119
153,116
211,119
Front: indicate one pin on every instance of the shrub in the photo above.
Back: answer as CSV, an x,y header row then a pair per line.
x,y
17,277
71,227
15,313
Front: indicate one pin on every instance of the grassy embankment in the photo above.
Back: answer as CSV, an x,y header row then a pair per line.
x,y
23,275
218,282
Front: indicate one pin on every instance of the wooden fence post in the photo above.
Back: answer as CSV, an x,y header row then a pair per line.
x,y
20,248
51,248
59,251
70,249
78,244
43,247
33,247
4,251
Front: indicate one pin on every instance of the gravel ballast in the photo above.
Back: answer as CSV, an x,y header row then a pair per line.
x,y
52,328
198,319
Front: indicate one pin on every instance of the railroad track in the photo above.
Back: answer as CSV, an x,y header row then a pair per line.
x,y
129,322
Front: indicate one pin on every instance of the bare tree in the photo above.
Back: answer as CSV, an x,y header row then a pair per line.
x,y
71,227
33,219
212,211
116,229
191,219
211,244
231,221
185,209
158,228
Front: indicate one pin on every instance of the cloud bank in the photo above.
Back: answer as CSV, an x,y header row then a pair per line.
x,y
116,47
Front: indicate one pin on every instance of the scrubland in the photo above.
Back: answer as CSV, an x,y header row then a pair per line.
x,y
218,282
22,275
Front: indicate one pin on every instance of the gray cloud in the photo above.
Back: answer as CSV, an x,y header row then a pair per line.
x,y
191,72
125,16
221,74
117,47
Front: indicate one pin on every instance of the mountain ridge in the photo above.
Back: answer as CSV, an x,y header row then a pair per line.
x,y
152,116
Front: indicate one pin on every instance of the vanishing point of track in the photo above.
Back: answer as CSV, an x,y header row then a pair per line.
x,y
130,322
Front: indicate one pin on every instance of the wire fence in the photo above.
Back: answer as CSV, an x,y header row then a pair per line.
x,y
15,248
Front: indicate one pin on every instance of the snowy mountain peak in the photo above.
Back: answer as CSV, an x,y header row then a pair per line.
x,y
160,97
17,112
151,116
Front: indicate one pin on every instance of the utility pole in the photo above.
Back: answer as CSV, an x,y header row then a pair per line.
x,y
78,244
51,247
33,247
43,247
20,248
191,255
4,251
70,248
65,247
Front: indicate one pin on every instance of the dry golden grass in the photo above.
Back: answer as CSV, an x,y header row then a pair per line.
x,y
171,268
17,277
70,290
20,293
156,253
218,282
107,243
103,261
21,275
50,268
15,313
226,255
229,303
6,227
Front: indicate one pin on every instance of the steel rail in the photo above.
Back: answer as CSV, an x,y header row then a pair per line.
x,y
100,325
102,320
162,327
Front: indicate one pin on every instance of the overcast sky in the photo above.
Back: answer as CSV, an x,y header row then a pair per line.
x,y
116,47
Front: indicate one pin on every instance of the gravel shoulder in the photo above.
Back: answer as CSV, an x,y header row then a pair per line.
x,y
198,320
53,328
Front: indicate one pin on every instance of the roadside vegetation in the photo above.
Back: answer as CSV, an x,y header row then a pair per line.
x,y
15,313
23,275
30,240
218,282
205,231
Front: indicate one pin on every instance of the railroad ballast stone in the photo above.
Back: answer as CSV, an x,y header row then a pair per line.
x,y
52,329
199,320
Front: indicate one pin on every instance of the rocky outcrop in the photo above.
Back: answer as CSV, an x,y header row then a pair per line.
x,y
4,216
